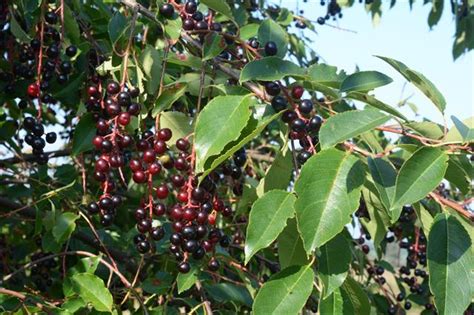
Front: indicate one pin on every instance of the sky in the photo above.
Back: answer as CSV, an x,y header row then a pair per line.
x,y
402,34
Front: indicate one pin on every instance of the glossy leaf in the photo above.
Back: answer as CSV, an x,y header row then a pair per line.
x,y
459,173
326,201
17,31
349,299
346,125
286,292
418,176
334,260
267,219
218,124
92,290
83,135
364,81
290,246
384,175
372,101
269,30
450,261
270,69
420,81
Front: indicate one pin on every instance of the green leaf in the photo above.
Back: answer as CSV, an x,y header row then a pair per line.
x,y
92,290
424,217
354,297
384,175
450,262
372,101
427,129
420,81
219,6
269,30
225,292
334,260
364,81
179,123
326,201
65,225
332,305
150,63
379,221
290,246
463,131
349,124
270,69
326,74
249,30
71,27
213,45
278,175
219,123
83,135
173,29
117,27
186,281
435,13
418,176
285,292
267,219
169,95
458,172
17,31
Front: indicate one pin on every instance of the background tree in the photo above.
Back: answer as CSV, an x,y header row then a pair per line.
x,y
168,157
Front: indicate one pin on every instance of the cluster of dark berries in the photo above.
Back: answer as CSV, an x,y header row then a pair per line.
x,y
191,209
41,272
304,123
106,207
35,132
192,18
333,10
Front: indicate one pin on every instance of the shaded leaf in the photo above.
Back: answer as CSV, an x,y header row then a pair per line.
x,y
64,226
290,246
214,44
326,74
186,281
219,6
269,69
384,175
180,124
83,134
334,260
169,95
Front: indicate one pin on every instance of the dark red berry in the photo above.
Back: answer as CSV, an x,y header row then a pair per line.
x,y
297,91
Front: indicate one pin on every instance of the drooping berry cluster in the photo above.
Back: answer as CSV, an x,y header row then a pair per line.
x,y
112,109
191,207
304,123
35,131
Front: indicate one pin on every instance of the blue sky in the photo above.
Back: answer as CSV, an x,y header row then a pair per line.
x,y
402,34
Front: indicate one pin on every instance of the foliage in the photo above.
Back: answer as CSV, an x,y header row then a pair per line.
x,y
166,157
